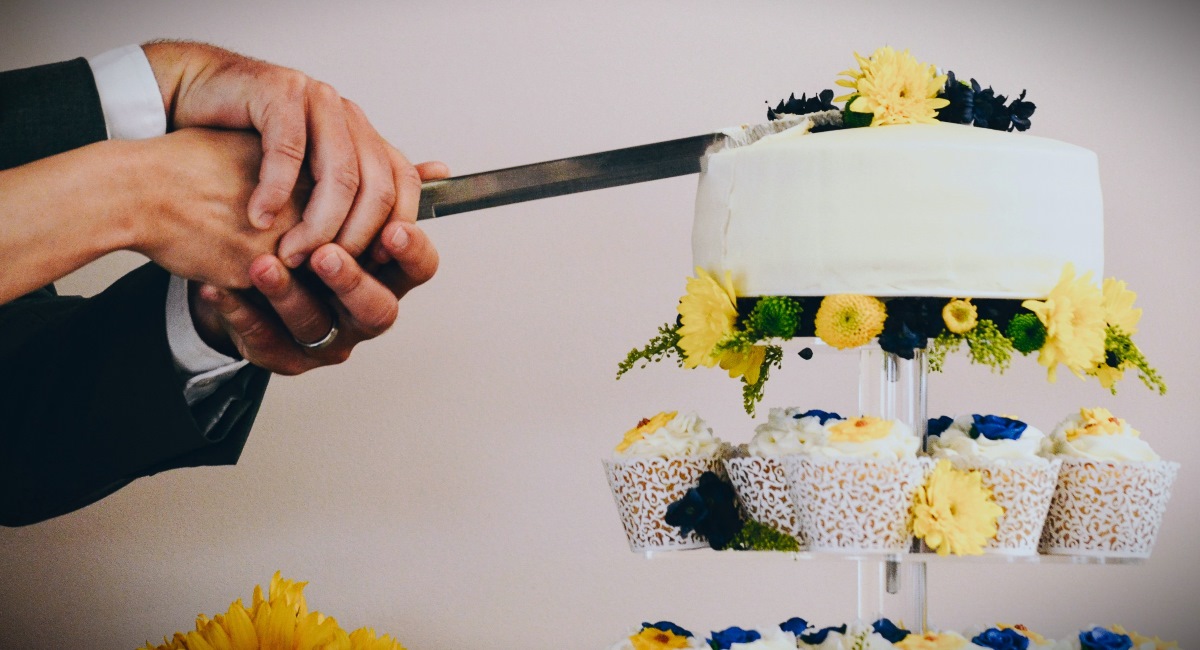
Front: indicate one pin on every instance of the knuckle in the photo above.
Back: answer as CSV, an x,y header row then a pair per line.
x,y
346,176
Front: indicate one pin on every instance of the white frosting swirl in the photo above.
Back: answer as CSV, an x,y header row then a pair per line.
x,y
769,639
956,442
785,432
1094,434
682,435
867,437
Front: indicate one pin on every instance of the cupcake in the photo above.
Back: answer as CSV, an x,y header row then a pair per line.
x,y
1005,453
1006,637
1112,490
758,476
770,638
657,462
853,489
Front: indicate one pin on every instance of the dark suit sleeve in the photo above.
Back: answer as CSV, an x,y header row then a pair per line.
x,y
89,395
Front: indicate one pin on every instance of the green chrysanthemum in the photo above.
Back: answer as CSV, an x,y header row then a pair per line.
x,y
1026,333
774,317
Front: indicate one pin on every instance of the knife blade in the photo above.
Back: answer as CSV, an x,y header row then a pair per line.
x,y
595,171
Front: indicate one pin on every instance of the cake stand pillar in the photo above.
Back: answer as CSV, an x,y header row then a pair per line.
x,y
894,388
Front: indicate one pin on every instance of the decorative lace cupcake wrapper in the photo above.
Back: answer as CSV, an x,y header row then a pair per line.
x,y
764,495
1108,509
855,505
644,487
1024,490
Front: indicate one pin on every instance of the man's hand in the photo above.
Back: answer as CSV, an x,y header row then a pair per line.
x,y
361,306
361,181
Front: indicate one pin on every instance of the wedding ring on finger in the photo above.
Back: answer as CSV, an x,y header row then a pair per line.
x,y
325,341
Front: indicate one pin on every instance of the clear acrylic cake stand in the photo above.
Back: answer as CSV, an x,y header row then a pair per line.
x,y
894,388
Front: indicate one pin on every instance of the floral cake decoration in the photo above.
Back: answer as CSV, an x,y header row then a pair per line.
x,y
1086,327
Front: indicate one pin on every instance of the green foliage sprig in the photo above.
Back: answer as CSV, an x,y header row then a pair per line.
x,y
752,394
663,346
755,536
988,346
1121,352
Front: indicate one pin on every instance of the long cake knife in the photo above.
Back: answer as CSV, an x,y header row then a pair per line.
x,y
595,171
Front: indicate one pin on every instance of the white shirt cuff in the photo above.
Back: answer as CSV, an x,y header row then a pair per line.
x,y
129,94
207,367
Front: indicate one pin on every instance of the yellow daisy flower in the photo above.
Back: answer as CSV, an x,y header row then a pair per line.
x,y
655,639
645,427
748,363
849,320
1118,307
954,513
895,88
1073,315
960,316
708,312
280,620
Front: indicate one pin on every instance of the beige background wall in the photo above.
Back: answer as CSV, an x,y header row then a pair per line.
x,y
445,485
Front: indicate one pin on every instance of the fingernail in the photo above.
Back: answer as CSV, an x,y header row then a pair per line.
x,y
330,264
295,261
270,275
265,219
399,238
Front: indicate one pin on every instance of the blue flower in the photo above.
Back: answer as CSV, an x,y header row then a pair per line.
x,y
1099,638
823,416
937,426
727,637
667,626
795,625
710,509
890,632
818,637
998,639
995,427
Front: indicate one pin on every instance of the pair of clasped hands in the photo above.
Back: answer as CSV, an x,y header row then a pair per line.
x,y
289,190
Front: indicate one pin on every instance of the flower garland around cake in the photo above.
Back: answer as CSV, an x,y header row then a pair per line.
x,y
1082,326
1086,328
280,620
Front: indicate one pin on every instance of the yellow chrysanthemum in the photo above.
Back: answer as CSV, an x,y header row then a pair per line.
x,y
1108,375
895,88
1073,315
1118,307
954,513
1140,641
708,313
280,620
932,641
960,316
849,320
651,638
748,363
645,427
863,429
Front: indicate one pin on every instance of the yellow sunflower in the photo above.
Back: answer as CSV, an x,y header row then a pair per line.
x,y
1073,315
954,513
708,312
651,638
849,320
281,620
645,427
895,88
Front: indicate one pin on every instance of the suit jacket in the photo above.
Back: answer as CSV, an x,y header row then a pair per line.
x,y
90,399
